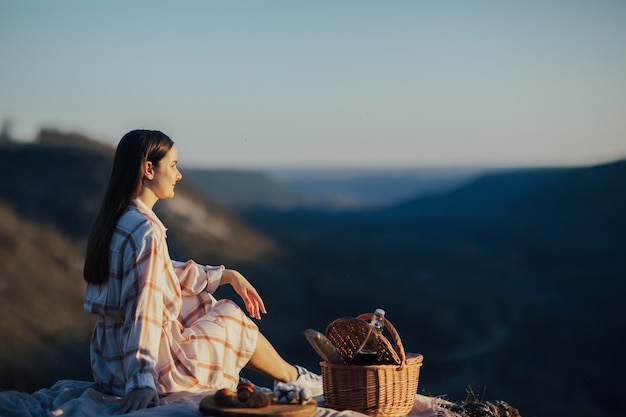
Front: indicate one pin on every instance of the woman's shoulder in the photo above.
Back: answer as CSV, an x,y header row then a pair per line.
x,y
133,222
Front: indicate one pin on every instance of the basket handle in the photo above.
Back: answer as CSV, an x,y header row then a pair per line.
x,y
397,343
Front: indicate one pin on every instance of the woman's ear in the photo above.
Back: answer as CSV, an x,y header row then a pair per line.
x,y
148,171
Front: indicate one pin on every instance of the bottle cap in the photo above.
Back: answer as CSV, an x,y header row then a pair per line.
x,y
379,311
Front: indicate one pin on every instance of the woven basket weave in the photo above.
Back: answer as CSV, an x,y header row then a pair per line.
x,y
385,390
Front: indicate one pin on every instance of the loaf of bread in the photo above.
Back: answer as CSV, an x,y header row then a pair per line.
x,y
324,347
226,397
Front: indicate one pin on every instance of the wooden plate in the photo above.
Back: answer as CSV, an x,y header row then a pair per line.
x,y
208,407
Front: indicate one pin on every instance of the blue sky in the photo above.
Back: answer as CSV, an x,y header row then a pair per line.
x,y
262,84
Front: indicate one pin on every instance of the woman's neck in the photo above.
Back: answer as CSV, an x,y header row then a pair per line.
x,y
147,197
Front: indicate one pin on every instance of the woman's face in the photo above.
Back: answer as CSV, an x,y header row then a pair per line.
x,y
166,175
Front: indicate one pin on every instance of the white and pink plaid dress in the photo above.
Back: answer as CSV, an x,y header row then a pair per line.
x,y
158,325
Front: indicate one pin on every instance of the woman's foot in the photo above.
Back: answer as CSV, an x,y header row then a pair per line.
x,y
307,379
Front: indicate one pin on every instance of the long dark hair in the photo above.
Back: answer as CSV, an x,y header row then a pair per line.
x,y
134,150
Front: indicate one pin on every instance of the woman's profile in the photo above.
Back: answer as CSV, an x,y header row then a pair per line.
x,y
159,329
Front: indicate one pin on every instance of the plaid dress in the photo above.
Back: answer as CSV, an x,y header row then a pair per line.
x,y
158,324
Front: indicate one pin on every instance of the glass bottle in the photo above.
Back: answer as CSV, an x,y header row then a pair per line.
x,y
368,351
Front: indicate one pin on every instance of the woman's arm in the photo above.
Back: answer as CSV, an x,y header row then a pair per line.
x,y
195,278
142,292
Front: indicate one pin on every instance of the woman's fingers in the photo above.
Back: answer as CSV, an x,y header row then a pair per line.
x,y
259,305
253,310
254,305
249,295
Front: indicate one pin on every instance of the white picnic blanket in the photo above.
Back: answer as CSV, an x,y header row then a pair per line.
x,y
70,398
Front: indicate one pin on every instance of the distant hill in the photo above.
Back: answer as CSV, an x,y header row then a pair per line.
x,y
557,210
242,188
370,188
326,188
483,195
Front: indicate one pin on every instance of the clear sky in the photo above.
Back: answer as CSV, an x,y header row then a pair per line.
x,y
260,84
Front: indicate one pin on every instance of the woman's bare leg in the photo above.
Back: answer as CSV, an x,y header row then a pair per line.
x,y
266,360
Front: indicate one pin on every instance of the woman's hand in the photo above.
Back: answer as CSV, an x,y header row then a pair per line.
x,y
137,399
251,298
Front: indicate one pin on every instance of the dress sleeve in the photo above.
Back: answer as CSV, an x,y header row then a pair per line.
x,y
195,278
142,301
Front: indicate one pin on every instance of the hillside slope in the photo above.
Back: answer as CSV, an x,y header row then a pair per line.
x,y
41,297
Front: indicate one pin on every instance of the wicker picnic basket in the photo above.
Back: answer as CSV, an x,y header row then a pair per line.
x,y
383,390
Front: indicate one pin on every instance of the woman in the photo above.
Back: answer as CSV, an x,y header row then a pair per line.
x,y
159,329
